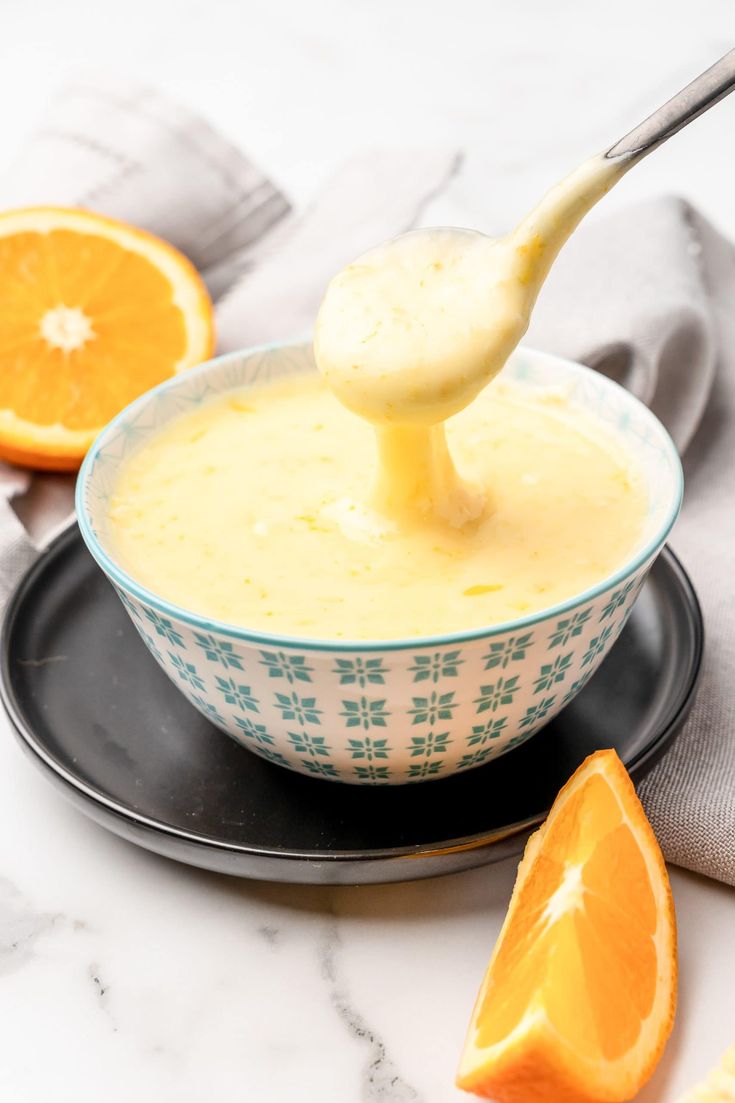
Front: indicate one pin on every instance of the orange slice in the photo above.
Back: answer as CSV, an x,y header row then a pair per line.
x,y
719,1087
94,312
579,996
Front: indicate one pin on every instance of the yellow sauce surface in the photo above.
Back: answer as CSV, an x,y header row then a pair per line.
x,y
263,509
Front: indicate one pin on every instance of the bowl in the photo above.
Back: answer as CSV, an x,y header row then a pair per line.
x,y
383,712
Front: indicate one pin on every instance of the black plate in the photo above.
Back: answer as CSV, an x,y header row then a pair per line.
x,y
99,717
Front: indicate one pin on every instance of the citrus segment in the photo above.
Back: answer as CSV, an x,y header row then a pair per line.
x,y
579,996
94,313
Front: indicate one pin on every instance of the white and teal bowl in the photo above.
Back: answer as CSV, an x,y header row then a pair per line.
x,y
383,712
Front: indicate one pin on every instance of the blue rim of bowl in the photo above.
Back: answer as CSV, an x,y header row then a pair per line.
x,y
125,581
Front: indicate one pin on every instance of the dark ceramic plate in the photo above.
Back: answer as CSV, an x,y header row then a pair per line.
x,y
104,723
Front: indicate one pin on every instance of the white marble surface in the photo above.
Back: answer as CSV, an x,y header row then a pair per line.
x,y
125,977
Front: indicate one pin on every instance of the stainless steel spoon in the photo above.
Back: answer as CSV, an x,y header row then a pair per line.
x,y
703,92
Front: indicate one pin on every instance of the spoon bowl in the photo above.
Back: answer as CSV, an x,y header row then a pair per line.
x,y
395,325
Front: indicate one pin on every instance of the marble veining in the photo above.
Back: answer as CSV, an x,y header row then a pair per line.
x,y
101,991
21,927
270,935
379,1078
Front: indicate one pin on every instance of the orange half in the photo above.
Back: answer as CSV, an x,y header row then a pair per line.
x,y
579,996
92,313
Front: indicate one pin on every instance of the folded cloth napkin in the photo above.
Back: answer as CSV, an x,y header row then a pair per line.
x,y
645,296
17,550
370,199
648,296
125,150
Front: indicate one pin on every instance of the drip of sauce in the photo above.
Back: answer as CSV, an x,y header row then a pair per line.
x,y
412,331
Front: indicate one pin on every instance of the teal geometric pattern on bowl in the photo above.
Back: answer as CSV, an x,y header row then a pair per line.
x,y
396,712
403,716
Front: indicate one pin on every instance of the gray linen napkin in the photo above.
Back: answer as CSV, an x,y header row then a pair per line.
x,y
17,550
125,150
371,198
646,296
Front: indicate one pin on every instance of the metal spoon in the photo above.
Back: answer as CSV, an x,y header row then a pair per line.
x,y
399,362
563,207
703,92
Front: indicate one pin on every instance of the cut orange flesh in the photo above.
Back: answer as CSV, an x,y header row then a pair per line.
x,y
580,993
93,312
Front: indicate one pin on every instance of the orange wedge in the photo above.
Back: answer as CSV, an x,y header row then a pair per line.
x,y
579,996
93,312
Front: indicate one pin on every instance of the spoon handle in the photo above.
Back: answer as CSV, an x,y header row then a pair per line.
x,y
713,85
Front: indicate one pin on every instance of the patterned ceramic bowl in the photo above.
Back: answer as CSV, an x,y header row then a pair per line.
x,y
383,712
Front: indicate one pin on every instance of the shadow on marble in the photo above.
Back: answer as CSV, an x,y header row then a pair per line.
x,y
473,891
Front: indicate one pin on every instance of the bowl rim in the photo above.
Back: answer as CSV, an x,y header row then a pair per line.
x,y
120,577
